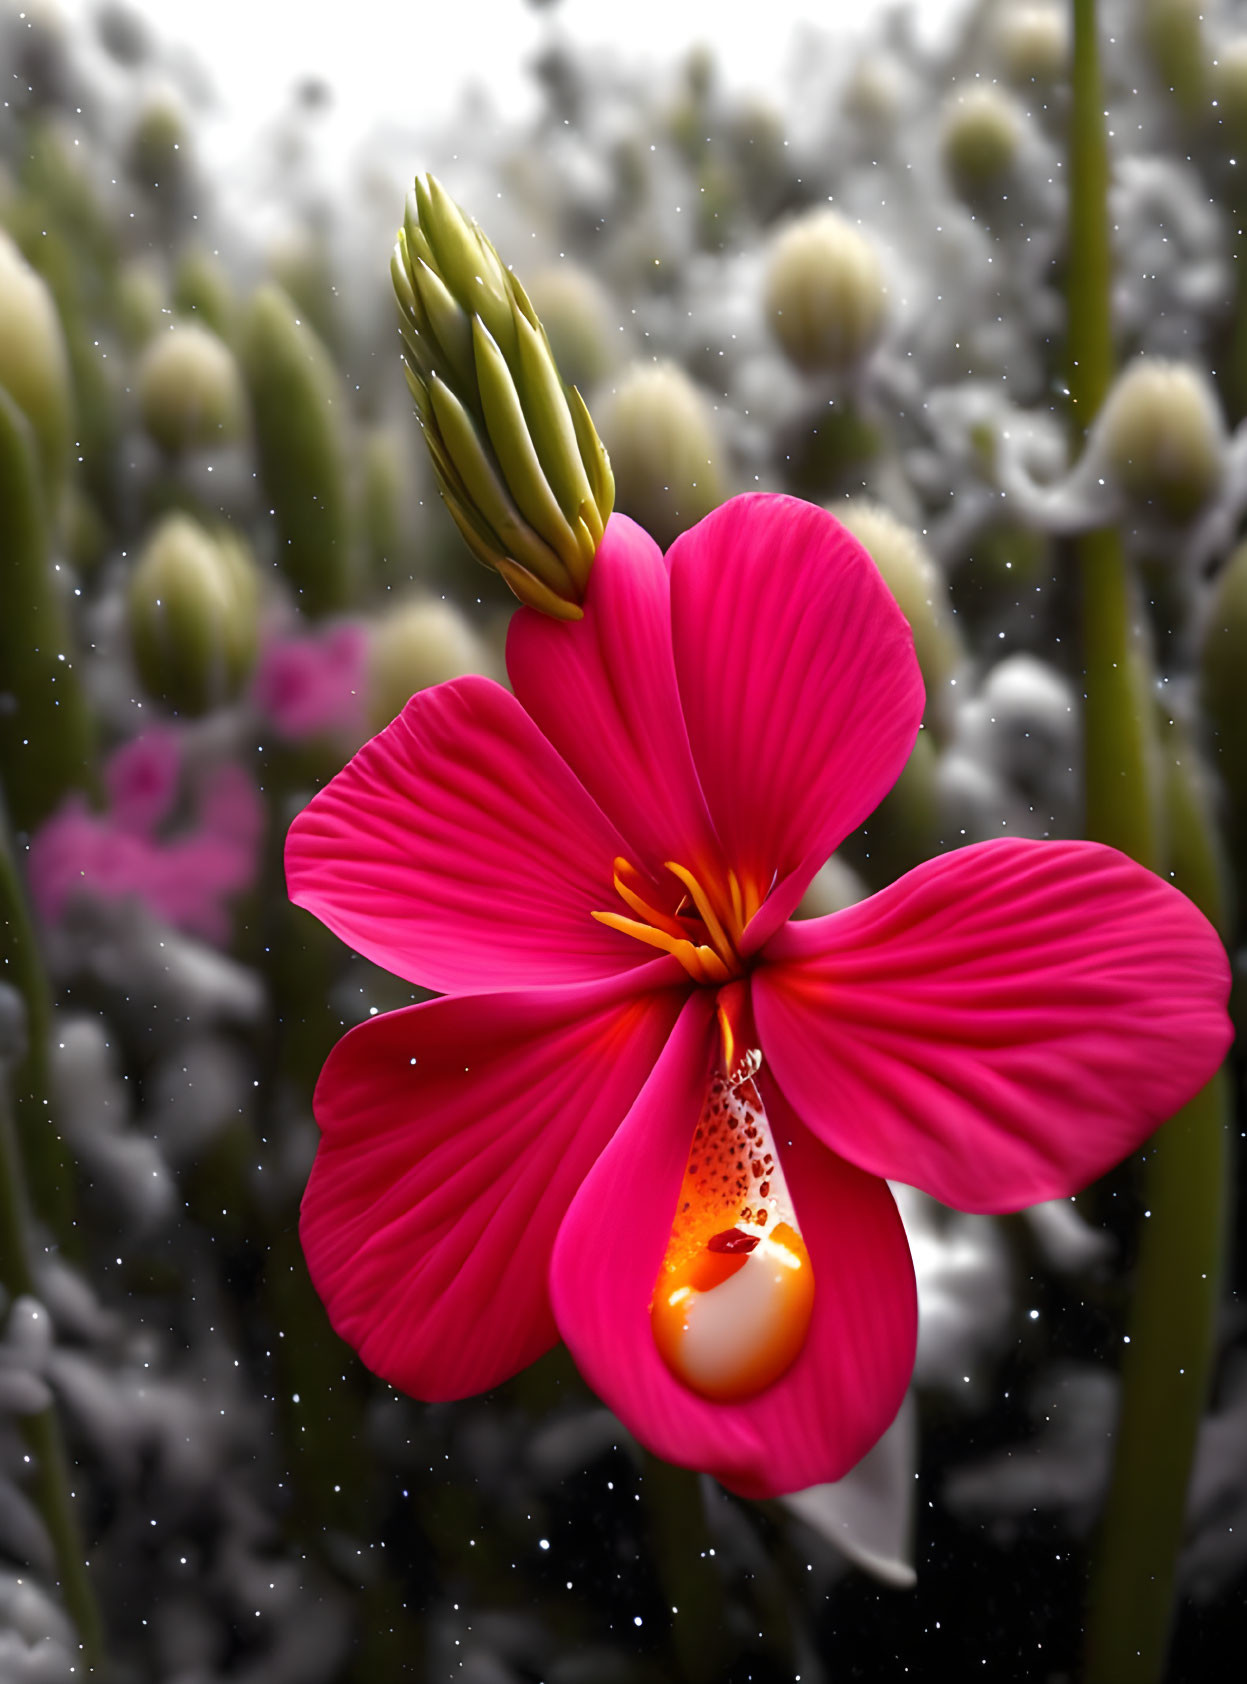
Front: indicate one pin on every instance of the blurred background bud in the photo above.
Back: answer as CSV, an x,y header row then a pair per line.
x,y
415,645
193,600
140,304
981,139
579,319
912,575
666,448
518,461
1229,91
34,368
159,149
189,389
299,412
826,298
1031,44
1172,33
1163,438
202,289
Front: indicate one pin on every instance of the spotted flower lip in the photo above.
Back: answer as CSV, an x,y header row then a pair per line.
x,y
597,872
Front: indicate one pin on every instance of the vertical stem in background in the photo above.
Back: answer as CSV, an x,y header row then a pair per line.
x,y
50,1486
47,1161
1167,1363
680,1536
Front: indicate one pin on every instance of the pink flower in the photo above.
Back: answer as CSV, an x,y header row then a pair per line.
x,y
503,1166
309,686
142,780
187,879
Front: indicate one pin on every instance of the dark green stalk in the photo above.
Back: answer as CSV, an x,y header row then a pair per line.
x,y
692,1586
50,1480
45,735
46,1159
1165,1375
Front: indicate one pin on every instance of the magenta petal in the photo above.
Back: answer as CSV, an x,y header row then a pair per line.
x,y
799,685
457,850
843,1390
1002,1024
141,778
454,1135
603,690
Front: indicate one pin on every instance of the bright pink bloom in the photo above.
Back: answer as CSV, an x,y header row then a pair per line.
x,y
502,1166
186,879
314,685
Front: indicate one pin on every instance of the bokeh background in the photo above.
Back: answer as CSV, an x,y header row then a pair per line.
x,y
823,259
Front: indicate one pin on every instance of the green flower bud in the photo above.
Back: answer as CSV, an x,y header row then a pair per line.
x,y
1163,438
874,96
300,264
914,578
517,459
665,448
139,303
1229,92
981,139
385,475
193,619
189,389
825,293
1032,44
1173,39
201,288
34,365
299,412
159,148
416,645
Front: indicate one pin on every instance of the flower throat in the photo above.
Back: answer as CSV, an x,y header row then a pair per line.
x,y
735,1293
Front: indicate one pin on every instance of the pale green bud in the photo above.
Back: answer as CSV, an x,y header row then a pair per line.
x,y
580,324
189,389
34,365
1229,92
1163,438
921,591
416,645
140,304
666,450
201,288
193,601
874,96
1032,44
517,459
159,148
299,412
982,136
1173,38
825,298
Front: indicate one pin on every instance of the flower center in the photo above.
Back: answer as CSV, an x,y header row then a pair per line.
x,y
704,929
735,1293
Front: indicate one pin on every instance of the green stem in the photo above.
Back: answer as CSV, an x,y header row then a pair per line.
x,y
690,1579
1164,1388
43,1151
42,1433
1169,1356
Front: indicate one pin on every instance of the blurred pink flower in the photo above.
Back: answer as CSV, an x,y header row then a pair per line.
x,y
186,879
314,685
642,1070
